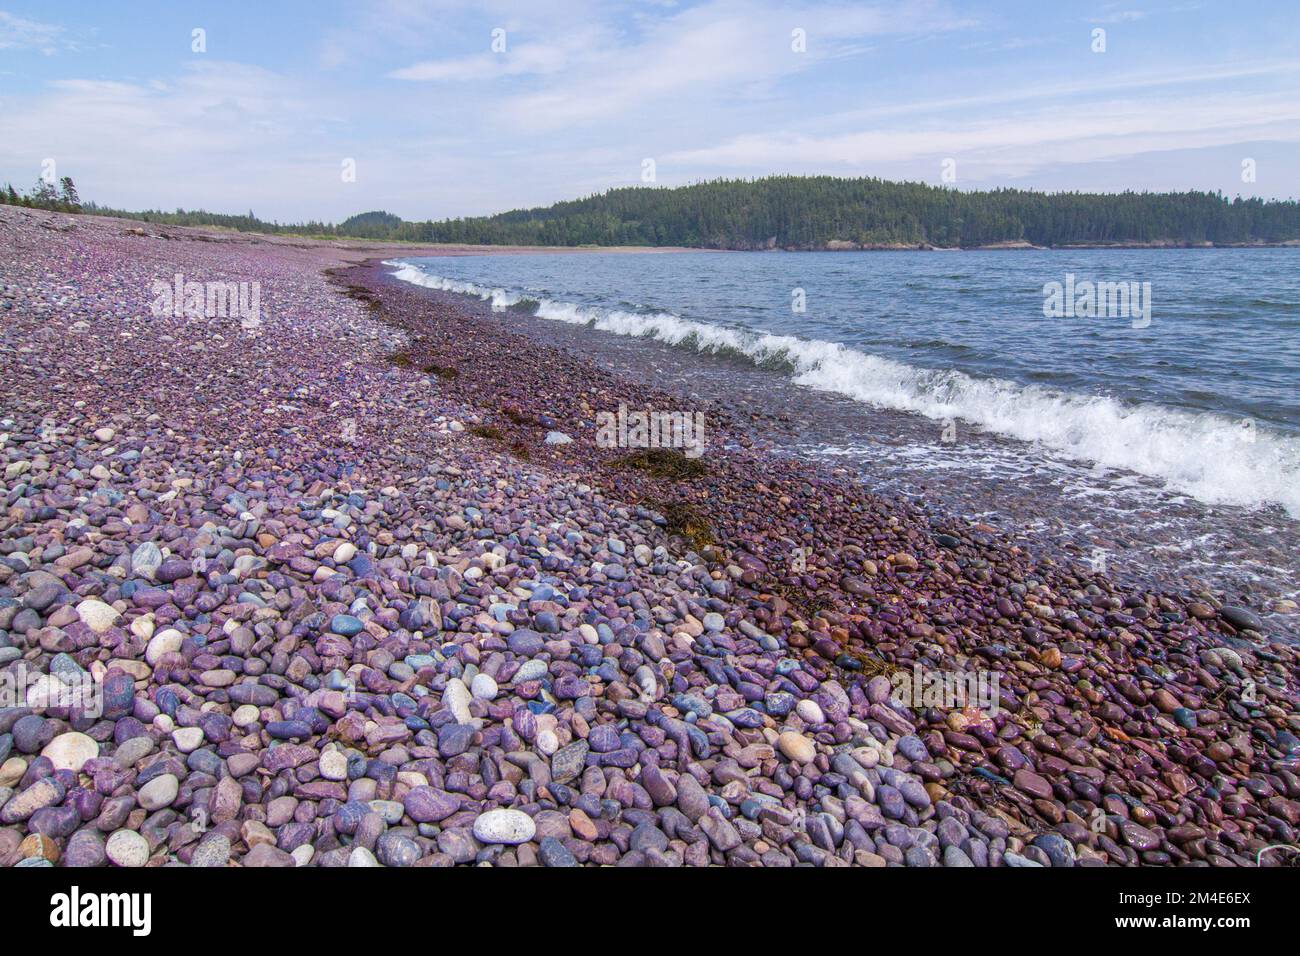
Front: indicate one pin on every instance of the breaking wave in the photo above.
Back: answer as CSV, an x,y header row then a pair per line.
x,y
1213,458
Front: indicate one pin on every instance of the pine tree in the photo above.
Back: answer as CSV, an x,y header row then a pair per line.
x,y
68,196
44,195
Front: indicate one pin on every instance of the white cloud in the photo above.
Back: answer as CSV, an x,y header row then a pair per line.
x,y
586,90
716,50
536,59
1063,93
19,33
221,129
227,136
1018,144
1119,16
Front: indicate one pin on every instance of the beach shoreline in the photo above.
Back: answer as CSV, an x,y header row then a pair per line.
x,y
466,639
143,228
409,249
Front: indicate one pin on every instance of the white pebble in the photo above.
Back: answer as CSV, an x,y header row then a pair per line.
x,y
810,711
504,826
70,751
97,615
483,687
333,765
188,739
360,856
456,698
167,641
127,848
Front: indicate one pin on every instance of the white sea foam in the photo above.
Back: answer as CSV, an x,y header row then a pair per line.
x,y
500,299
1213,458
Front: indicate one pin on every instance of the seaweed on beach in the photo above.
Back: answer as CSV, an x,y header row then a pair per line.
x,y
809,604
517,417
517,447
686,521
350,289
441,371
361,294
400,359
663,463
871,664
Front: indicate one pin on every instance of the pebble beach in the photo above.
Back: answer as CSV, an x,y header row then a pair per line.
x,y
357,586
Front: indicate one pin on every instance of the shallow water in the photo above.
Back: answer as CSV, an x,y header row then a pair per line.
x,y
1168,452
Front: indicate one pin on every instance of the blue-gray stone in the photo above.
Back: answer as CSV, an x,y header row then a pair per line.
x,y
346,625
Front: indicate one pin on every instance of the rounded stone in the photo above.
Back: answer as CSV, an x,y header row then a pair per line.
x,y
483,687
188,739
393,849
548,742
360,856
32,733
70,751
796,747
164,642
39,846
213,851
159,792
333,765
810,712
504,826
456,699
145,559
427,804
553,853
97,615
346,625
85,848
12,770
127,848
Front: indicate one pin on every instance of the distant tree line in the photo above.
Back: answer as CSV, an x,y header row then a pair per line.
x,y
247,222
803,212
812,212
44,196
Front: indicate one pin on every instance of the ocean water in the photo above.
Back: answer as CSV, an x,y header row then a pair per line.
x,y
1169,430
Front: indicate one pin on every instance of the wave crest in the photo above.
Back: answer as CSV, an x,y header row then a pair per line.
x,y
1211,457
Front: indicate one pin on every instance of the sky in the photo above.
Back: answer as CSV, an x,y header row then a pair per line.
x,y
323,109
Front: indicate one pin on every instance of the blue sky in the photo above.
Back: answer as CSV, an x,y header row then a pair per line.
x,y
439,124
